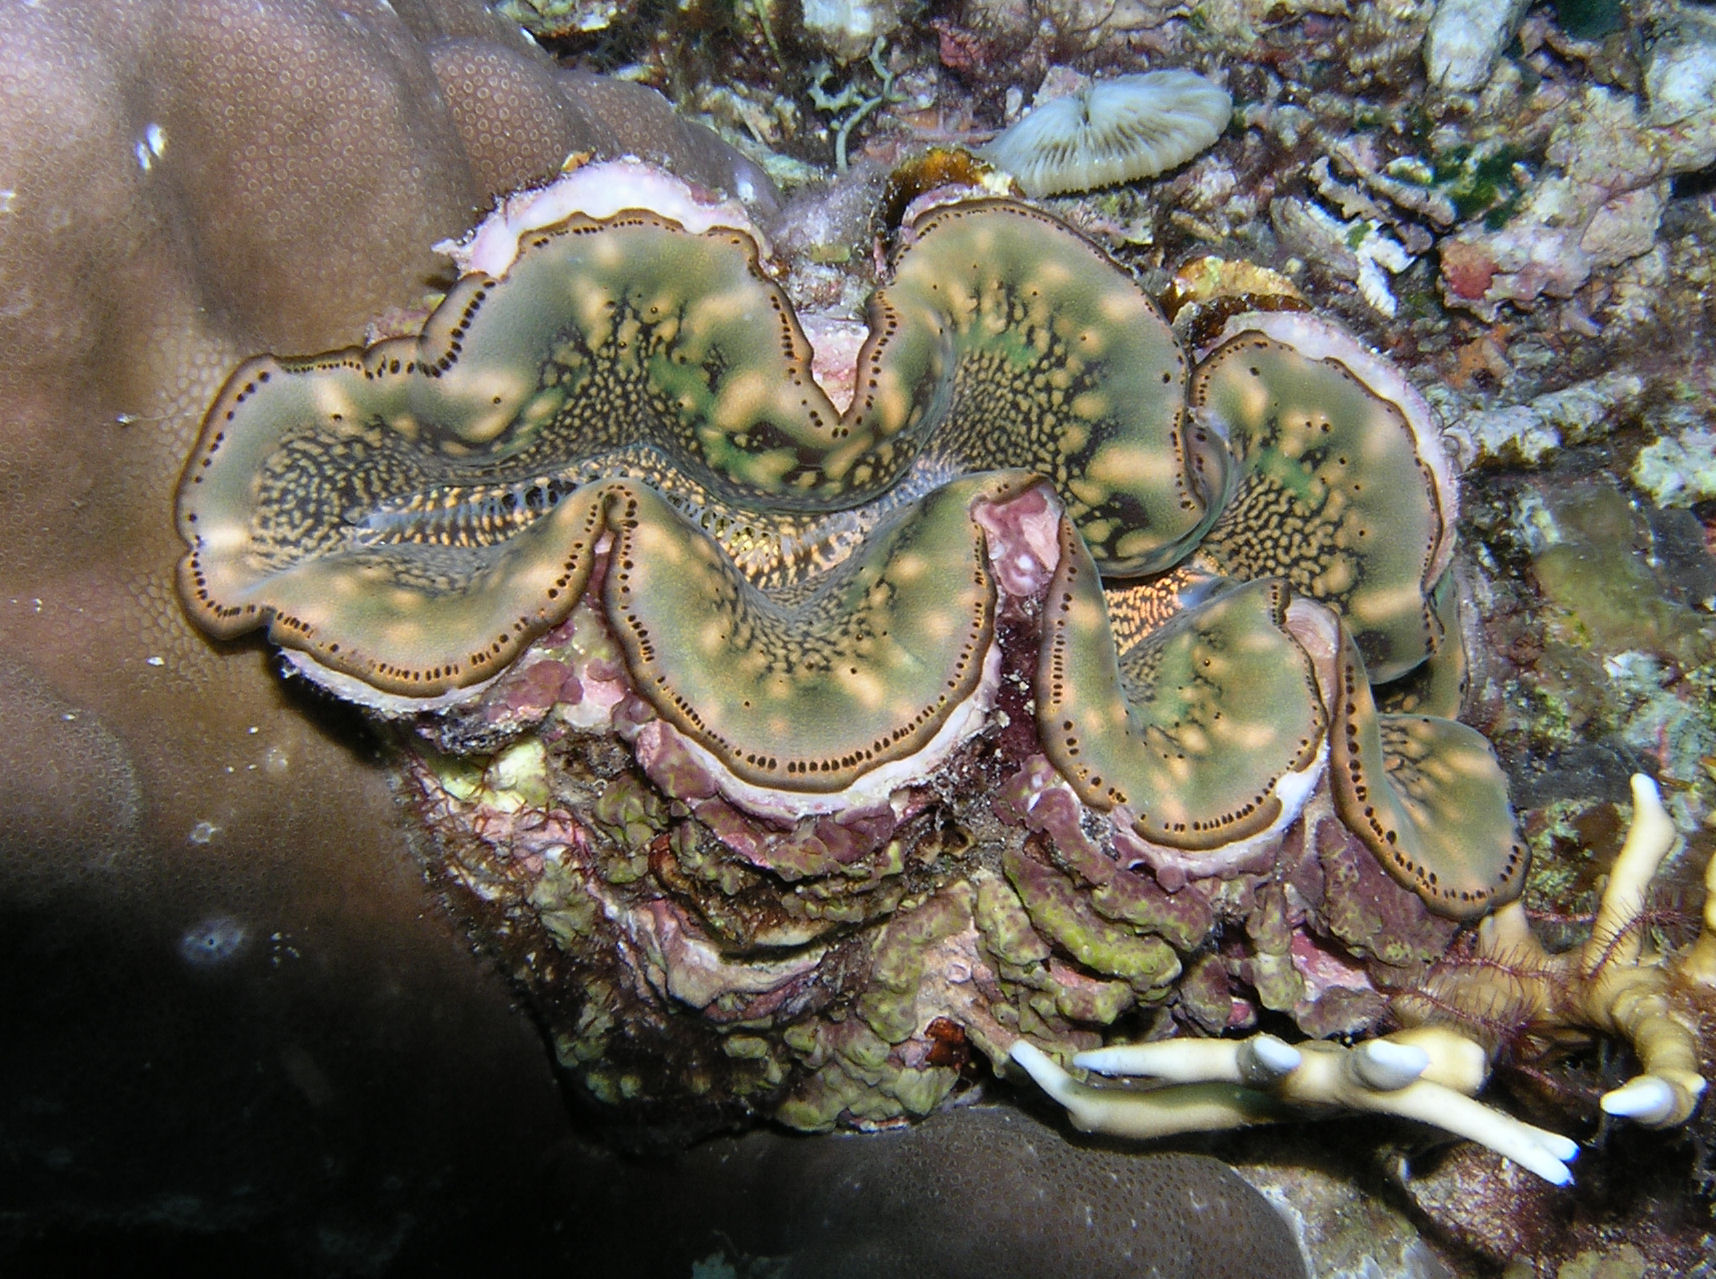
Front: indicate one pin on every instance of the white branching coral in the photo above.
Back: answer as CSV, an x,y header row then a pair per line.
x,y
1359,249
1431,1071
1261,1079
1611,984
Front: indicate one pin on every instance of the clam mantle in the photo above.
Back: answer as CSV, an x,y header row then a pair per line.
x,y
792,751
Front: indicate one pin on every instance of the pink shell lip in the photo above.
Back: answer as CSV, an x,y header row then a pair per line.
x,y
598,190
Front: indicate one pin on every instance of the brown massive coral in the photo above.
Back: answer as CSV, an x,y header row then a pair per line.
x,y
178,183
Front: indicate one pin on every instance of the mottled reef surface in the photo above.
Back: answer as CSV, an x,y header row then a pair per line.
x,y
1523,218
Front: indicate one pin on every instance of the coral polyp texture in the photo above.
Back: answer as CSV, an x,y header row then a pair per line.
x,y
797,725
1118,130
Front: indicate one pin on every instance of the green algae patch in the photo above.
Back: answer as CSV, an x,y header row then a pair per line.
x,y
1058,911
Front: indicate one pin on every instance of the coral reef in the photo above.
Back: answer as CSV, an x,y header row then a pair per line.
x,y
181,184
1430,1070
150,781
1535,251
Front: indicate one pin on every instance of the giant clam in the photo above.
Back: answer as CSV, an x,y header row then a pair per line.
x,y
787,751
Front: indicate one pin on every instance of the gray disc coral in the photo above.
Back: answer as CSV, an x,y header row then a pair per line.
x,y
1119,130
